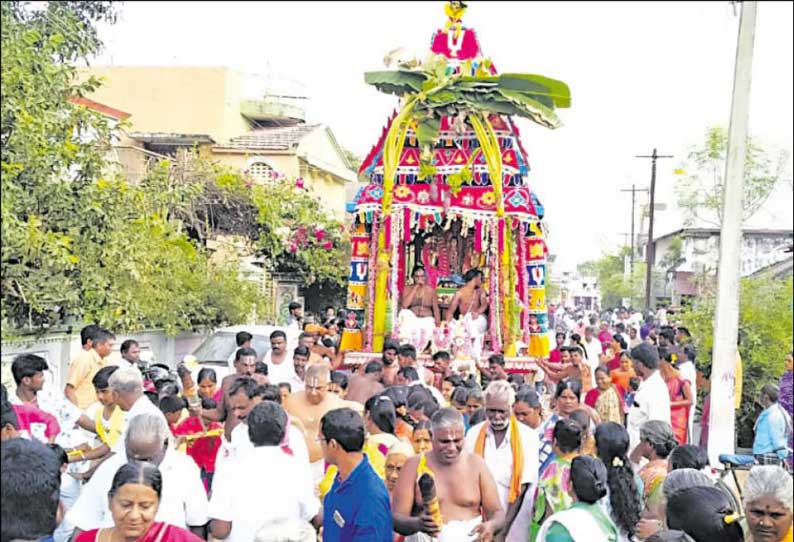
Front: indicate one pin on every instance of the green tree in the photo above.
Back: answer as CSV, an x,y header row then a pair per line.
x,y
700,190
765,329
76,244
612,282
286,222
47,170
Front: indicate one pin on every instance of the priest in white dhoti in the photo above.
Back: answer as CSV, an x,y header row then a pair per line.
x,y
419,315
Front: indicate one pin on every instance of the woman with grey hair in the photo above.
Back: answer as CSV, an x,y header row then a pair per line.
x,y
768,503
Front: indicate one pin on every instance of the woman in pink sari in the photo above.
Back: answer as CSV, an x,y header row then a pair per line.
x,y
134,500
680,398
606,398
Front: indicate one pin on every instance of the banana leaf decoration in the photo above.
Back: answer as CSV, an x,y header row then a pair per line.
x,y
524,95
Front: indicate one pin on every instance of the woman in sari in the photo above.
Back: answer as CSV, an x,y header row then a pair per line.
x,y
623,374
527,409
656,443
134,500
606,398
624,488
768,504
420,439
585,520
553,492
567,400
617,346
680,397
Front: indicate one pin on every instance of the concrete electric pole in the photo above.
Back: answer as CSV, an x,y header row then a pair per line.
x,y
726,316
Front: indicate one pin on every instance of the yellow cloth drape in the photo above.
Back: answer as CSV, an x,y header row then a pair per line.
x,y
516,449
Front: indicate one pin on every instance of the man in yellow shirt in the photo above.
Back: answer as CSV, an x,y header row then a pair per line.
x,y
82,369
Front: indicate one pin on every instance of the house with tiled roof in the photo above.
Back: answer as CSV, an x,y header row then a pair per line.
x,y
309,151
235,117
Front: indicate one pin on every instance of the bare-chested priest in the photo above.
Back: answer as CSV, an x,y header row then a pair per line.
x,y
471,302
419,315
310,405
463,485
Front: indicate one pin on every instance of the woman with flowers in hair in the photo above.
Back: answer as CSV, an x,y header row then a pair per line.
x,y
624,488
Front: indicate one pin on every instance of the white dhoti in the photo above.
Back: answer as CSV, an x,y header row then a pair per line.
x,y
454,531
473,331
415,330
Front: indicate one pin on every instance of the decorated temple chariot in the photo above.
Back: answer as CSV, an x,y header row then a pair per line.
x,y
448,244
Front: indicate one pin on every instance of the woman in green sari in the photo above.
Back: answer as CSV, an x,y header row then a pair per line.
x,y
553,491
585,520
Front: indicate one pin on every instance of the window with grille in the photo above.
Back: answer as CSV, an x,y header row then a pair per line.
x,y
261,172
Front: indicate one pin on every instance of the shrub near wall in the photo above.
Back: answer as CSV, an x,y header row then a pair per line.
x,y
765,324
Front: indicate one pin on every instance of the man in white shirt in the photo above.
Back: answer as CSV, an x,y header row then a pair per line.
x,y
686,366
183,502
239,506
244,395
243,340
280,366
295,318
127,387
652,400
493,441
592,347
130,355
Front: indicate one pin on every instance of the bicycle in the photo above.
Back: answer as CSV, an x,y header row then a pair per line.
x,y
732,464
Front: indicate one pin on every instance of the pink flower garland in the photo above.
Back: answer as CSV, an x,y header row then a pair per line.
x,y
524,282
493,287
371,272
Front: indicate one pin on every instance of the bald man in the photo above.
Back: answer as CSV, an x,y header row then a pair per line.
x,y
310,405
464,487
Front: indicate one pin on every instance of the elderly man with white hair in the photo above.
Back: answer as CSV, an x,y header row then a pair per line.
x,y
126,384
768,504
183,502
510,450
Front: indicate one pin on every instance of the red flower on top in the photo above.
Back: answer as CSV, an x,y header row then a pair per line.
x,y
320,234
328,245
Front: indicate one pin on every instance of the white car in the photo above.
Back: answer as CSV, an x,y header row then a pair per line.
x,y
217,351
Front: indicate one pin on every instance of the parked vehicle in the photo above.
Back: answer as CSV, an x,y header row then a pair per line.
x,y
217,350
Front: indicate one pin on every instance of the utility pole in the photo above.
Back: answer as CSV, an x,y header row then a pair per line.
x,y
633,191
650,247
726,316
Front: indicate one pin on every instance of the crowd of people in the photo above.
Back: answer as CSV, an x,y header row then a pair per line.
x,y
597,445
